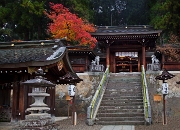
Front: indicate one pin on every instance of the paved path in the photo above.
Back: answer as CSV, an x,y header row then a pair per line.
x,y
118,127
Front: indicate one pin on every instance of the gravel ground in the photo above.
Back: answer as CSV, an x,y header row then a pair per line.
x,y
65,124
81,125
173,123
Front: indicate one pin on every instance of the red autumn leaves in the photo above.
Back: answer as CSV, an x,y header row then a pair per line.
x,y
65,24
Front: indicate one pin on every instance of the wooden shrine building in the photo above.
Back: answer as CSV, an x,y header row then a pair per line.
x,y
126,48
80,58
18,62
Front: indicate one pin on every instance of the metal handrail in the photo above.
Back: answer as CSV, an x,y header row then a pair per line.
x,y
94,105
147,106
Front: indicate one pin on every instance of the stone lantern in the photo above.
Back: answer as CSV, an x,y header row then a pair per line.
x,y
38,118
72,79
164,76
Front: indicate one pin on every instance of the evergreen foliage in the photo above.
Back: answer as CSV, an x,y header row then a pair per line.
x,y
25,20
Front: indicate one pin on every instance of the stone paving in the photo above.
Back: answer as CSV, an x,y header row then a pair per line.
x,y
118,127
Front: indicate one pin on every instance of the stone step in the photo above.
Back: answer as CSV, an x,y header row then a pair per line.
x,y
122,107
124,76
124,90
122,97
123,82
121,94
123,86
101,110
120,122
139,118
122,102
132,79
121,114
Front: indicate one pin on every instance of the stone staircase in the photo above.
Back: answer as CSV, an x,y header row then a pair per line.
x,y
122,103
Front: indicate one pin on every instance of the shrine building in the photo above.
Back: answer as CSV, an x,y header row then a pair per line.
x,y
126,48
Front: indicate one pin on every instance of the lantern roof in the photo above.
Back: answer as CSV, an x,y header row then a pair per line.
x,y
39,80
69,78
165,75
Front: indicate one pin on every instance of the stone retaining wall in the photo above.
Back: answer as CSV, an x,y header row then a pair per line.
x,y
84,93
86,89
172,99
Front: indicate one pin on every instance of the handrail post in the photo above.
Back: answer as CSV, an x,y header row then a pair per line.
x,y
147,106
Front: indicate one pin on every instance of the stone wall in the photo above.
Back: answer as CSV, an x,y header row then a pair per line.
x,y
172,99
84,93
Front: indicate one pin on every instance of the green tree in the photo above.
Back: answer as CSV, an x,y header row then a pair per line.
x,y
25,17
136,12
108,12
83,8
121,12
165,16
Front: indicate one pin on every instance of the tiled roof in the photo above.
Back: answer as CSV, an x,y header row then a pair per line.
x,y
56,53
143,29
37,51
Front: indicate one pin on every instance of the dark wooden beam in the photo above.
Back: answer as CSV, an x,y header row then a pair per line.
x,y
15,103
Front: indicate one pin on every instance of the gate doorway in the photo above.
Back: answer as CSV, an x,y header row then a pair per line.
x,y
126,61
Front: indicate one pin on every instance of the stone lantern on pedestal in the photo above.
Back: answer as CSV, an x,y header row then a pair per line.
x,y
72,79
164,76
38,119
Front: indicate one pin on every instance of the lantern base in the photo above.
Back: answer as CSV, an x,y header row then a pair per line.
x,y
37,124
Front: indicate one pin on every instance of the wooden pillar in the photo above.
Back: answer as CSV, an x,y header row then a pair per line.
x,y
30,98
23,96
130,67
139,63
15,102
114,63
107,56
22,102
144,56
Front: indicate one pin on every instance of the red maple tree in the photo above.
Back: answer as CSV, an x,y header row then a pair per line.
x,y
67,25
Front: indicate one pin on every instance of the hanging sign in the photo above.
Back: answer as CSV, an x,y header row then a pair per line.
x,y
71,90
164,88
